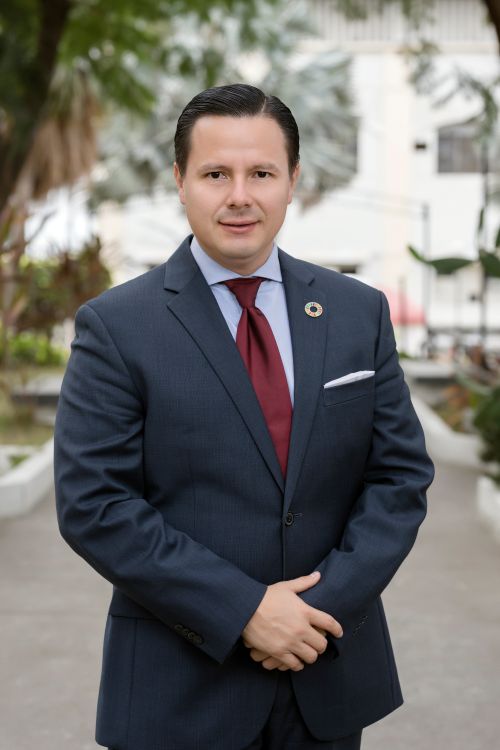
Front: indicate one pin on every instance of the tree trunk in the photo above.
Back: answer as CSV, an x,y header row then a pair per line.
x,y
16,140
493,8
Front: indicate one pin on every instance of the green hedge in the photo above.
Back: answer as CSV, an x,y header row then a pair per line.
x,y
27,348
487,422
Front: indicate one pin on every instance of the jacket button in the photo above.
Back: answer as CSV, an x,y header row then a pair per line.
x,y
198,639
289,518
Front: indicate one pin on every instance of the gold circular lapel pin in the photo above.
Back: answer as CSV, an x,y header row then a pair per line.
x,y
313,309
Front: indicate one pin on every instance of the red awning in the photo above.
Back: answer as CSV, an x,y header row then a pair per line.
x,y
404,311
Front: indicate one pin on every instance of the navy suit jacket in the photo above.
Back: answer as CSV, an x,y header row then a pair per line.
x,y
168,485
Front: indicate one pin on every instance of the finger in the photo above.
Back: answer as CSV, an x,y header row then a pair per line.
x,y
306,653
303,582
321,619
258,655
316,641
271,663
290,660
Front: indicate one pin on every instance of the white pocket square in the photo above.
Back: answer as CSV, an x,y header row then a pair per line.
x,y
350,378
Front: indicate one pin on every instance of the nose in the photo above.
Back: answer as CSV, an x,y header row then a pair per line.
x,y
239,195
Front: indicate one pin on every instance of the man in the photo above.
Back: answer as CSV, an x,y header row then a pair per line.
x,y
230,422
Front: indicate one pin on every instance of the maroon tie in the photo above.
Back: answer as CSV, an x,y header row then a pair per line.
x,y
260,353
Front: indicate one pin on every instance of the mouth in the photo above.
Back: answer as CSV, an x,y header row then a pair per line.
x,y
238,227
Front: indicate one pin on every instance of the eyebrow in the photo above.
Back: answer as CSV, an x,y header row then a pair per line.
x,y
264,167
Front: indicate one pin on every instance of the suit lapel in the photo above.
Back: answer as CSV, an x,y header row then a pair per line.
x,y
196,308
308,343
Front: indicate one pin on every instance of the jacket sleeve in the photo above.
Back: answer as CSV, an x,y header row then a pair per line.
x,y
103,515
383,524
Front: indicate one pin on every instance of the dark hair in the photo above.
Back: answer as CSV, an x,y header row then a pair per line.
x,y
235,100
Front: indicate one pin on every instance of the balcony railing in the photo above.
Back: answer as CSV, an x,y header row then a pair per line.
x,y
455,22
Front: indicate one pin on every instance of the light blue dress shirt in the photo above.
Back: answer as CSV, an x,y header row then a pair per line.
x,y
270,299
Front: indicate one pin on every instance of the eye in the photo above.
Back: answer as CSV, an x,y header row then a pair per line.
x,y
214,175
261,173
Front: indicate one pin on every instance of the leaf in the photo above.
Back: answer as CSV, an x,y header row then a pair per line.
x,y
490,263
447,266
497,238
418,256
480,222
443,266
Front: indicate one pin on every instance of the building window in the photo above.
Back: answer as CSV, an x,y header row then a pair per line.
x,y
347,268
458,148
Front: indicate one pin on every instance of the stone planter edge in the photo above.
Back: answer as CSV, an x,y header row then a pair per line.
x,y
27,484
444,444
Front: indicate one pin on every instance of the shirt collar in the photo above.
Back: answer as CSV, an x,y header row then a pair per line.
x,y
214,273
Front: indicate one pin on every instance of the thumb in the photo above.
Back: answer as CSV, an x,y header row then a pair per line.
x,y
303,582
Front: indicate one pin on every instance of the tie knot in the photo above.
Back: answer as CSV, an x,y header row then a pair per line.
x,y
245,290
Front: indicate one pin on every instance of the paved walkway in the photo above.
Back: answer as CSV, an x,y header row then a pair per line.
x,y
443,609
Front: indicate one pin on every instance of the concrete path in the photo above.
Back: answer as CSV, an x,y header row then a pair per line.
x,y
443,609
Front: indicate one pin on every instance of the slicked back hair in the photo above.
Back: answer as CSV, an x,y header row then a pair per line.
x,y
235,100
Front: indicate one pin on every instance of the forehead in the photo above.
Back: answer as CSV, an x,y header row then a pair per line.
x,y
237,138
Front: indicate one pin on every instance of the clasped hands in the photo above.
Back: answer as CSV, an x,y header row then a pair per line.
x,y
285,632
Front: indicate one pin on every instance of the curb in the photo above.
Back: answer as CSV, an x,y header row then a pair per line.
x,y
25,485
443,443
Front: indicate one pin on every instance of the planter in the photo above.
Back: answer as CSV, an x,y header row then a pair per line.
x,y
26,484
443,443
488,504
11,455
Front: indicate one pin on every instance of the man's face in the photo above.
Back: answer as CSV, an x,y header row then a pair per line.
x,y
236,188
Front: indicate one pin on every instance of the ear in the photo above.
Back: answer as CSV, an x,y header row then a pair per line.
x,y
293,182
180,183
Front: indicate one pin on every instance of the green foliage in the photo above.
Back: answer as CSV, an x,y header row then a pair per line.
x,y
112,42
18,458
135,153
487,421
18,40
443,266
489,261
116,46
30,348
51,290
47,292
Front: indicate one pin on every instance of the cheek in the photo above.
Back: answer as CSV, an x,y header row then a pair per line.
x,y
200,203
276,205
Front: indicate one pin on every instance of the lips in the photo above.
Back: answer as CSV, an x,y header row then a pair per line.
x,y
238,223
238,227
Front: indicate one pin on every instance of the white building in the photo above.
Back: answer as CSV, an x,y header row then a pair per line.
x,y
418,181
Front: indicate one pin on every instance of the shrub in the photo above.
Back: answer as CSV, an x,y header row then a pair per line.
x,y
28,348
487,422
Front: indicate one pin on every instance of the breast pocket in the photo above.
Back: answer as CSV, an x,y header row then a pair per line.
x,y
348,391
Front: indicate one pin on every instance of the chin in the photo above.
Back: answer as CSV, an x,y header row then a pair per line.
x,y
240,251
